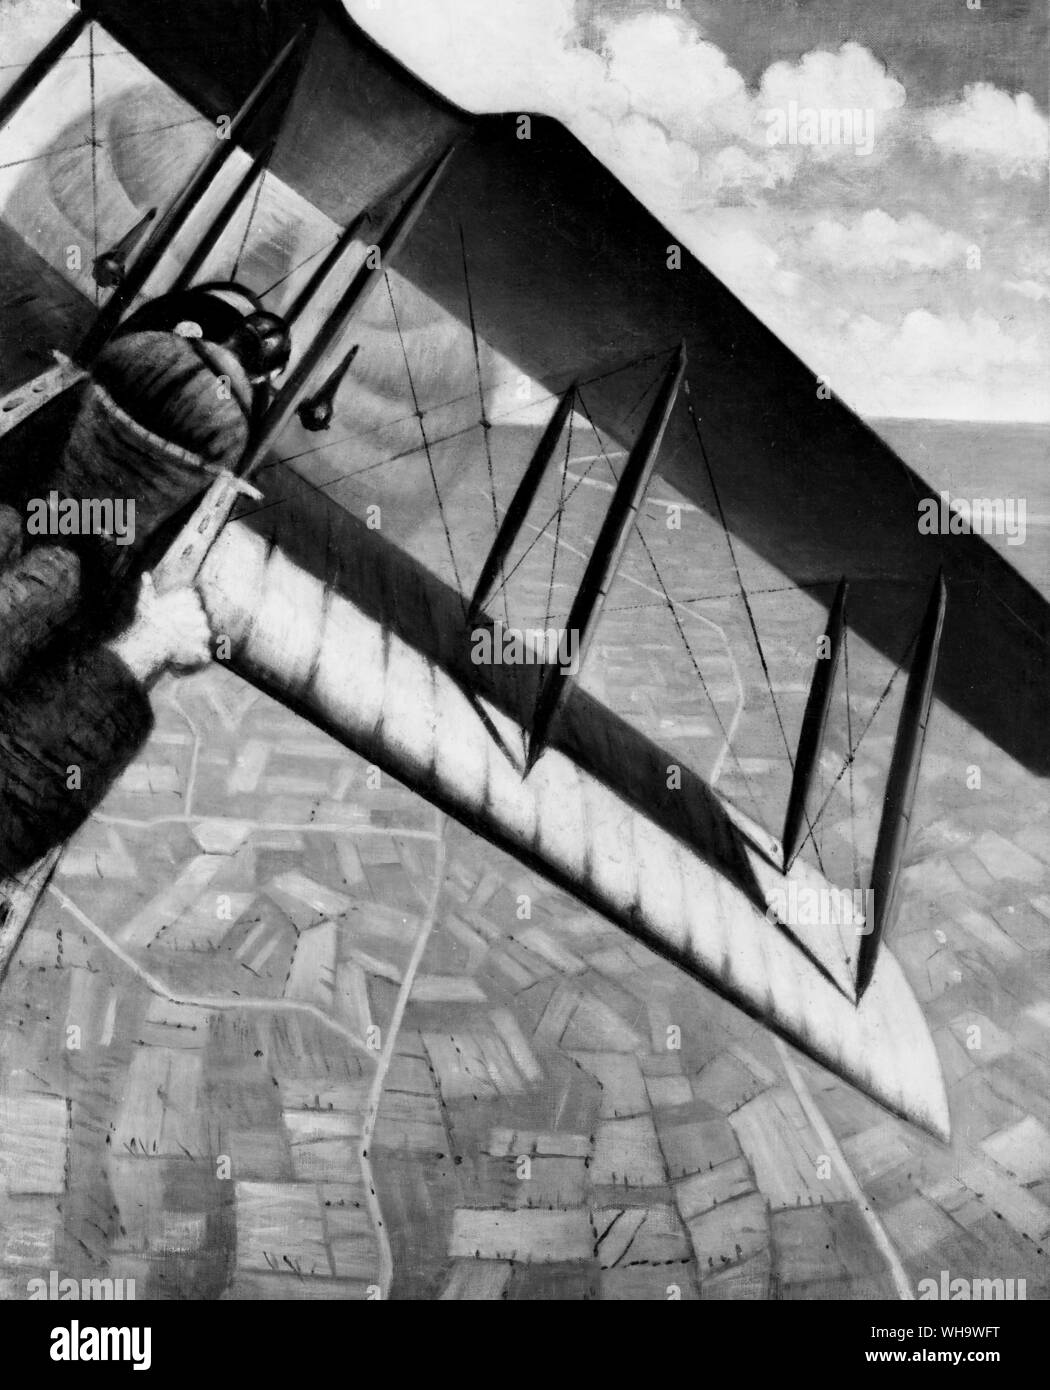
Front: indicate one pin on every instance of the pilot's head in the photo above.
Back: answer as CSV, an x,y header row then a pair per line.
x,y
226,314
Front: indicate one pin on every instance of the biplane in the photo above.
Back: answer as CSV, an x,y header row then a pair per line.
x,y
534,248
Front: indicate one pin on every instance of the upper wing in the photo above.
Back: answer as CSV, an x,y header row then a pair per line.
x,y
568,270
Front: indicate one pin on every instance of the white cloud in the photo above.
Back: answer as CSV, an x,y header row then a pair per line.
x,y
875,241
950,366
676,78
998,132
851,79
742,169
1030,289
633,144
930,345
687,87
1033,260
653,67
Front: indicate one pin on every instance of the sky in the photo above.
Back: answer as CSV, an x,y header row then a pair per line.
x,y
910,266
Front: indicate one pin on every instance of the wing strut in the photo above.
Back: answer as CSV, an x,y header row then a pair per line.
x,y
353,296
16,406
520,503
174,219
183,560
19,404
814,723
902,780
605,557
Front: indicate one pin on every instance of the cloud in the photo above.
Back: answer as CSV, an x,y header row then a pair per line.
x,y
654,68
930,346
945,366
632,144
676,78
814,239
851,79
993,130
875,241
1030,289
1033,260
672,117
687,88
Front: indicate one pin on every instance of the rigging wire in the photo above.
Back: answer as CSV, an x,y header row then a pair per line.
x,y
484,421
94,153
668,601
158,129
281,123
650,387
248,225
553,517
445,405
426,443
671,608
720,598
47,154
860,739
139,53
747,601
289,273
727,742
602,454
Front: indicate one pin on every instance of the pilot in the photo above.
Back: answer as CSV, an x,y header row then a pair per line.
x,y
227,314
83,634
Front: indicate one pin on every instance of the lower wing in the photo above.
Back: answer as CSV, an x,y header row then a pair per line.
x,y
339,624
